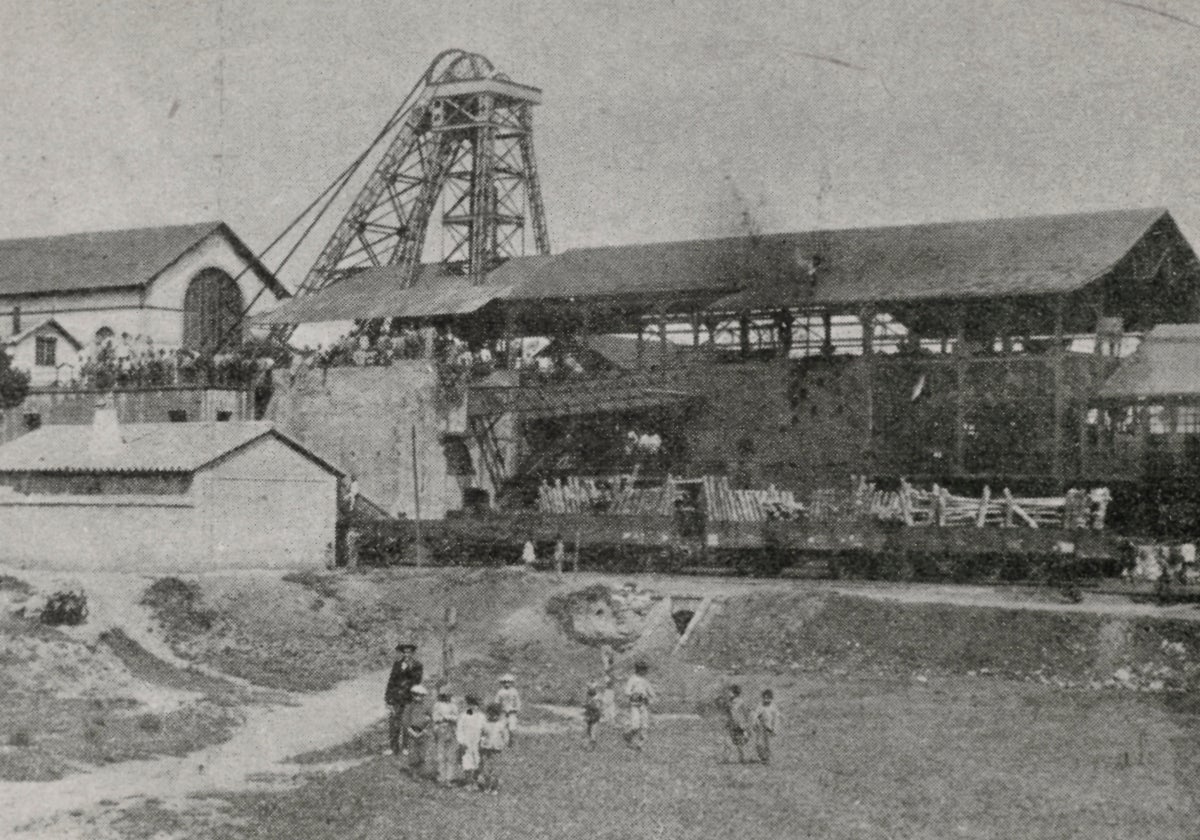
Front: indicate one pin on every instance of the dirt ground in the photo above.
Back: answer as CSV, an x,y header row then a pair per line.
x,y
909,712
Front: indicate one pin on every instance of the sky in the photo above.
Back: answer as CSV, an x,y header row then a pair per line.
x,y
661,120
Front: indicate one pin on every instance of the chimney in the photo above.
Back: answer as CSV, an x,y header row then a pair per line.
x,y
106,441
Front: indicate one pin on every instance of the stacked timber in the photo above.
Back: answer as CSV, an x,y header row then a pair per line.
x,y
938,506
724,503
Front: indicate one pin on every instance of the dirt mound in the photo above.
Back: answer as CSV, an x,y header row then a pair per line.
x,y
601,614
793,631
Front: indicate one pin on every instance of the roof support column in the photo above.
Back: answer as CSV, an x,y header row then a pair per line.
x,y
867,316
1057,357
744,333
827,323
695,328
641,342
958,467
662,333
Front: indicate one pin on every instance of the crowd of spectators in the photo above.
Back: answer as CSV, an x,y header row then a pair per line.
x,y
135,362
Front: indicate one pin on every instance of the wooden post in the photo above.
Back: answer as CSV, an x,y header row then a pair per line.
x,y
695,329
984,501
449,623
1009,512
419,545
827,323
641,342
867,317
744,333
960,386
1060,404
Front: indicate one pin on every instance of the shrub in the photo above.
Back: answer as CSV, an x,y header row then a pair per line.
x,y
176,604
68,608
150,722
8,583
20,738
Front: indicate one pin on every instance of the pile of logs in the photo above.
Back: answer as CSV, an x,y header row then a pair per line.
x,y
723,503
938,506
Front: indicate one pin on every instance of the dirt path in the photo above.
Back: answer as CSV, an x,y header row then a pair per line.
x,y
269,735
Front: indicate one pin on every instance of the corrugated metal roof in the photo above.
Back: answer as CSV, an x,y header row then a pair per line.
x,y
377,293
106,259
1033,255
1165,364
149,447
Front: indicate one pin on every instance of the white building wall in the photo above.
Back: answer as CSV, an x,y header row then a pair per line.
x,y
266,506
156,311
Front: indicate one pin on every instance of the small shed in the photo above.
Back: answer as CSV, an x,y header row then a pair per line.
x,y
180,496
1146,417
46,350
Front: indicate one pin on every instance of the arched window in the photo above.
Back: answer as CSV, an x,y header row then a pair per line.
x,y
212,311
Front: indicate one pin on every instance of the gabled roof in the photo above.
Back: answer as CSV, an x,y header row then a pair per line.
x,y
1031,255
14,340
109,259
149,448
1165,364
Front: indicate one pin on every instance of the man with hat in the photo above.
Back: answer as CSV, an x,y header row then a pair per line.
x,y
407,672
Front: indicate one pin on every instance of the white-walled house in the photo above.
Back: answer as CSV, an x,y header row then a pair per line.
x,y
177,496
44,349
180,285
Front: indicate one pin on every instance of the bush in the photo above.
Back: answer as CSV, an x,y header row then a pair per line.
x,y
150,722
68,608
8,583
20,738
176,605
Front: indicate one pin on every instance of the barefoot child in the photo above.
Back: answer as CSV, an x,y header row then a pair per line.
x,y
510,704
640,696
443,720
737,721
593,711
766,725
493,738
468,732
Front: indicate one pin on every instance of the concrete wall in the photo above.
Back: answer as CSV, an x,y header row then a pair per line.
x,y
266,506
362,419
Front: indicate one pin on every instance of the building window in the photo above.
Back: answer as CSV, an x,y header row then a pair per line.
x,y
224,416
1158,419
44,351
177,415
1187,419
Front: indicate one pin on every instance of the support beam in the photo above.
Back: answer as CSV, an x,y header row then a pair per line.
x,y
827,322
1058,353
960,386
867,318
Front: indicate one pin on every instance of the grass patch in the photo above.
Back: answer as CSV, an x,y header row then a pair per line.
x,y
176,605
854,761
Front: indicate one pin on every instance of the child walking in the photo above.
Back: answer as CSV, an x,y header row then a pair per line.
x,y
640,695
509,700
468,732
493,738
766,725
593,712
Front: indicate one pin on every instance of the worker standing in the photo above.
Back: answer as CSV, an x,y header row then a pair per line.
x,y
407,673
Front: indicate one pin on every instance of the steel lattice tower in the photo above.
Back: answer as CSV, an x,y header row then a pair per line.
x,y
466,139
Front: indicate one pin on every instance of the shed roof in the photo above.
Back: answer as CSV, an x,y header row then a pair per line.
x,y
52,323
1165,364
149,448
110,259
1030,255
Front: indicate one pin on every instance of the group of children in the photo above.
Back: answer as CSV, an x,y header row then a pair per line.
x,y
743,724
468,746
